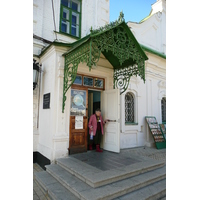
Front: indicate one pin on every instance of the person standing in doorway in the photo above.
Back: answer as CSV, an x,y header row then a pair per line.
x,y
96,129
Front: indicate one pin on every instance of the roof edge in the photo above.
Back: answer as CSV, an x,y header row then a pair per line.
x,y
145,48
55,43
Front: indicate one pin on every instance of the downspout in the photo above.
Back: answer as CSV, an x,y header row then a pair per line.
x,y
39,95
54,19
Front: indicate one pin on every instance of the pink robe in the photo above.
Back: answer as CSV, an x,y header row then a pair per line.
x,y
93,122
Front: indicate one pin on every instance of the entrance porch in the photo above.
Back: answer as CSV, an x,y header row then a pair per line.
x,y
141,174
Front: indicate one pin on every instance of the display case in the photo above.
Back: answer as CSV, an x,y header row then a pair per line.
x,y
156,132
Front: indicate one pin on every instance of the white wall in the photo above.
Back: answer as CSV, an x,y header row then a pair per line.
x,y
147,103
52,139
152,32
53,131
94,13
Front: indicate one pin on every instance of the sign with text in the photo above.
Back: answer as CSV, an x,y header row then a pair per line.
x,y
78,122
46,101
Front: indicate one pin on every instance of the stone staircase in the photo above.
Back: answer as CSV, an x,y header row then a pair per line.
x,y
71,178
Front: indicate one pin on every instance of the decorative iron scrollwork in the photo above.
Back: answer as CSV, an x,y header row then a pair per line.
x,y
88,53
113,38
122,76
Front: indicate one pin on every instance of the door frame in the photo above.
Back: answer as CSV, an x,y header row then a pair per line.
x,y
82,148
85,88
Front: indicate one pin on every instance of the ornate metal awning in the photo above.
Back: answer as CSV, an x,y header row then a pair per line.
x,y
117,43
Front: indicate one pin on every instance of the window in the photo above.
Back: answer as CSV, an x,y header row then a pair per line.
x,y
78,80
70,17
163,109
129,108
87,81
98,83
90,82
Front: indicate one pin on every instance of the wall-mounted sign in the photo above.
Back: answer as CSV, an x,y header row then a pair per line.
x,y
78,122
46,101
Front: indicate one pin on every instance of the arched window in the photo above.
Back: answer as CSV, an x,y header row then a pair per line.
x,y
163,109
129,108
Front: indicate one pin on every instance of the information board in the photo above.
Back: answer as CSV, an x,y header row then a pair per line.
x,y
46,101
156,132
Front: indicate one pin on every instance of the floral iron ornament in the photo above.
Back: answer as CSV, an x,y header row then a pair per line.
x,y
117,43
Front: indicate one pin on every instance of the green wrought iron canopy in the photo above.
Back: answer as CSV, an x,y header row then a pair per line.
x,y
119,46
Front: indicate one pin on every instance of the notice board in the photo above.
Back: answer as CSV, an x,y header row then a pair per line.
x,y
46,101
156,132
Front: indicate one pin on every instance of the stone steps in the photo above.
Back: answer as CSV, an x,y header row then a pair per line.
x,y
154,191
61,184
88,174
52,187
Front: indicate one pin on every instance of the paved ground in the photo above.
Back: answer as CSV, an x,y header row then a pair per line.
x,y
120,159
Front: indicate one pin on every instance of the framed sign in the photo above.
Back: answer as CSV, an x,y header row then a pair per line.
x,y
78,102
46,101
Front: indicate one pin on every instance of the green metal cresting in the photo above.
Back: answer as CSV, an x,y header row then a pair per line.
x,y
117,43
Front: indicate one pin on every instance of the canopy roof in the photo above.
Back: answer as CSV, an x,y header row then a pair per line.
x,y
119,46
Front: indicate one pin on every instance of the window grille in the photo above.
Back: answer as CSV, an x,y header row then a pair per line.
x,y
129,108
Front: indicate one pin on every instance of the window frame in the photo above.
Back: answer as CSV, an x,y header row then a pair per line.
x,y
134,111
70,19
93,86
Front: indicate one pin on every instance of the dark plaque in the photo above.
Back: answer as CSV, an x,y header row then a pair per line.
x,y
46,101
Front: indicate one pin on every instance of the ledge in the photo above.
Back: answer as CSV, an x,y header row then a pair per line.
x,y
131,123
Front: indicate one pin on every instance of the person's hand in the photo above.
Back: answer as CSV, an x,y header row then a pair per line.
x,y
106,120
91,128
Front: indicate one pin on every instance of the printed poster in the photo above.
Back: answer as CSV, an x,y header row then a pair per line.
x,y
78,122
78,102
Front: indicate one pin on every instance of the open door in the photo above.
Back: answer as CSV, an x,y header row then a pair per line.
x,y
111,110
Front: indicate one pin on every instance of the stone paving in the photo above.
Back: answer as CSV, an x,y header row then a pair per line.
x,y
140,151
157,154
107,160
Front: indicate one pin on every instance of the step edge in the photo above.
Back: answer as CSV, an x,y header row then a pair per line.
x,y
39,182
76,193
111,196
156,195
125,176
106,181
48,191
125,191
73,173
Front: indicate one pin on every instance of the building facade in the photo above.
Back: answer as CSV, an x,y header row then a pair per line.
x,y
149,98
79,74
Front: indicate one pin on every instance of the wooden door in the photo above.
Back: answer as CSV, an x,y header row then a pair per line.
x,y
111,111
78,125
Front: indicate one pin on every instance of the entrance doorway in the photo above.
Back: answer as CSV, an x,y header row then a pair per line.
x,y
85,99
87,94
94,102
